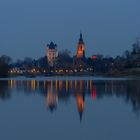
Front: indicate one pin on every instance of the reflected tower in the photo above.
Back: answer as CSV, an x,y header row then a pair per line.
x,y
80,105
52,97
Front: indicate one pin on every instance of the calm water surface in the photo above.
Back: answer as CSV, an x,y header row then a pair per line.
x,y
70,108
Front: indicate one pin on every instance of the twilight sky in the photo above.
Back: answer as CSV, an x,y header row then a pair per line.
x,y
26,26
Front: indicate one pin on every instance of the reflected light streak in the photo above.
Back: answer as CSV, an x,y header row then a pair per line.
x,y
60,84
33,84
94,93
75,84
56,85
67,85
70,84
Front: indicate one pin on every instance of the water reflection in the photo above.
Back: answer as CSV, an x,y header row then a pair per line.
x,y
61,91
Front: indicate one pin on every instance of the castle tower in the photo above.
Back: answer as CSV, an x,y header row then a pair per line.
x,y
80,48
52,53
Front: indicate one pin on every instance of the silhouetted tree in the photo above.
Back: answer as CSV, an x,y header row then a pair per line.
x,y
43,62
64,59
4,65
28,62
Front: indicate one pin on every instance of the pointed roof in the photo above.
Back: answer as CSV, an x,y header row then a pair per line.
x,y
81,38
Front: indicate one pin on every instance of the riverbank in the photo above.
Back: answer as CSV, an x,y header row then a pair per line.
x,y
113,74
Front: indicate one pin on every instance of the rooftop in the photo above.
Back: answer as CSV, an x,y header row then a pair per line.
x,y
51,45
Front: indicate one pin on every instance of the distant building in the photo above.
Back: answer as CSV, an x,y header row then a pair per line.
x,y
80,59
136,50
96,56
135,55
52,53
136,46
80,48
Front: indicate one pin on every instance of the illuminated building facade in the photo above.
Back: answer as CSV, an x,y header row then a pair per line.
x,y
52,53
80,48
80,59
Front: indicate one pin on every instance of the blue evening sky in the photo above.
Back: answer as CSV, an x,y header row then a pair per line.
x,y
26,26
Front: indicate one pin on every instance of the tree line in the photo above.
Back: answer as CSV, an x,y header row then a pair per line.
x,y
5,62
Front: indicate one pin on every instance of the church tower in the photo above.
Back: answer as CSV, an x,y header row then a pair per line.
x,y
80,48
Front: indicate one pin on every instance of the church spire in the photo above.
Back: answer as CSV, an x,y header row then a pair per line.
x,y
81,38
81,47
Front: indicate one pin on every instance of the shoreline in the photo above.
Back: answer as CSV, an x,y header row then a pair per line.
x,y
124,74
73,78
